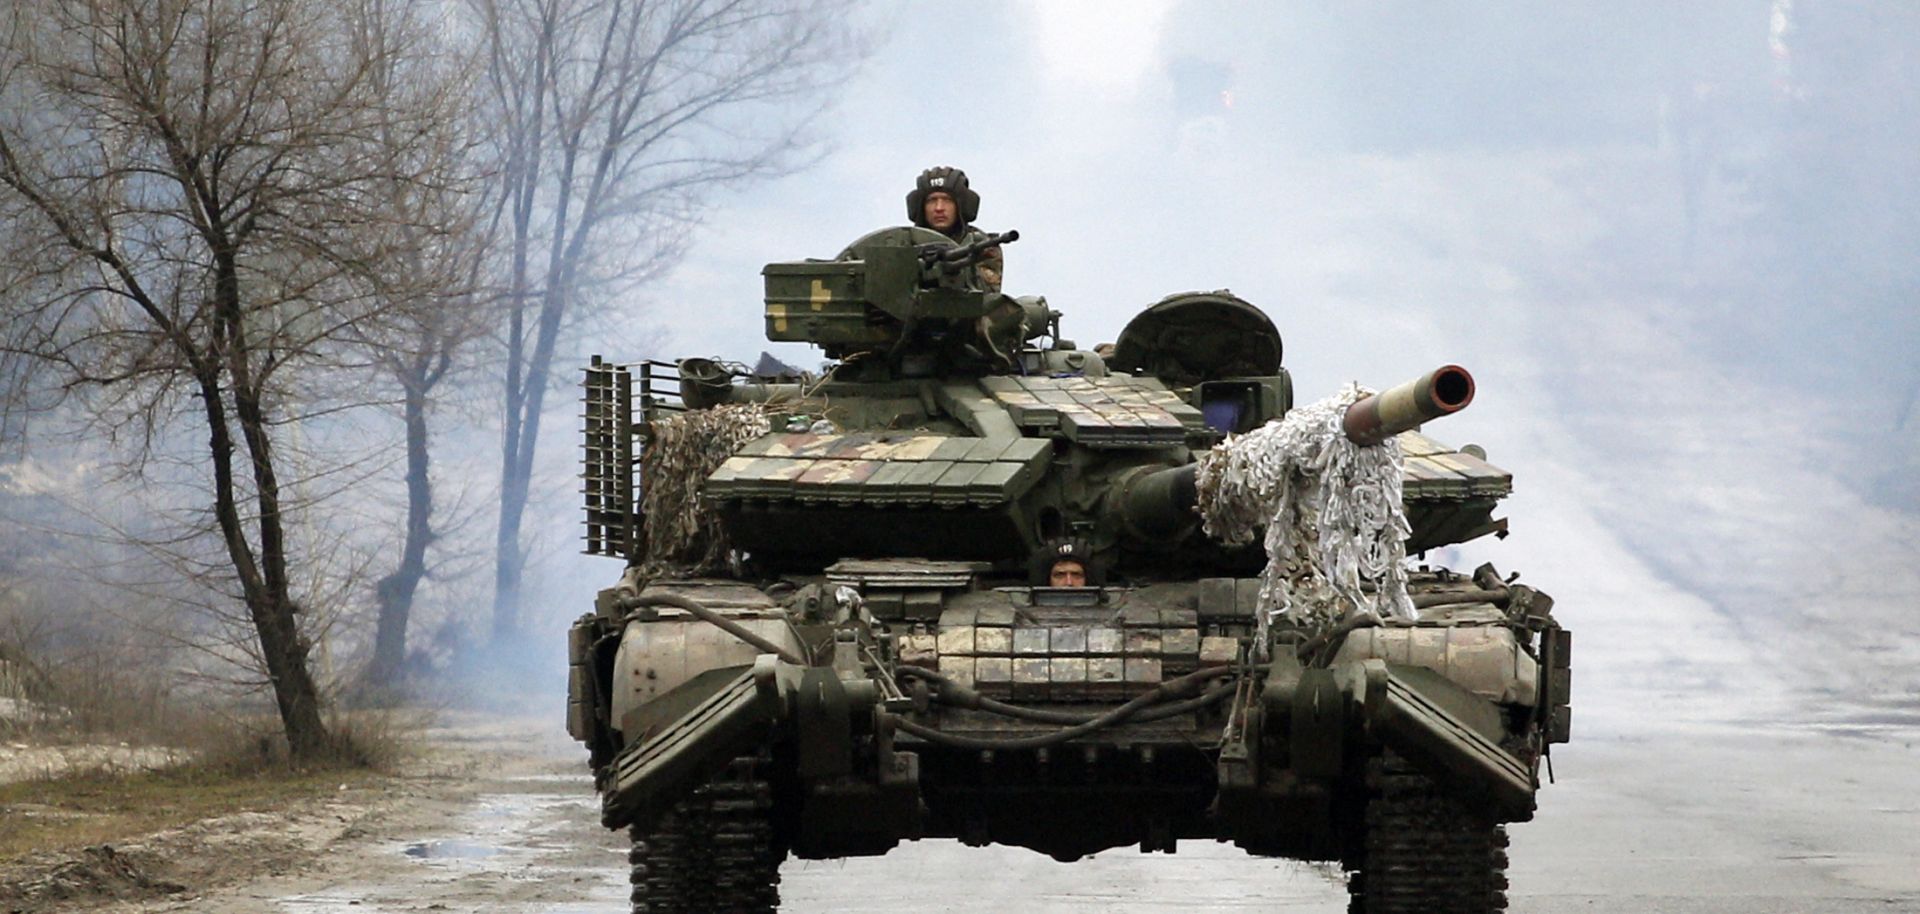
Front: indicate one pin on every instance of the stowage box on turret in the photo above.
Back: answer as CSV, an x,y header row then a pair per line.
x,y
838,627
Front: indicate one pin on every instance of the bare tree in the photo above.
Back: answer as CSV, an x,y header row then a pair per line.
x,y
439,303
437,343
198,190
613,119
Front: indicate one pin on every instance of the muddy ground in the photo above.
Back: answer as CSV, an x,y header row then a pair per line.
x,y
1707,817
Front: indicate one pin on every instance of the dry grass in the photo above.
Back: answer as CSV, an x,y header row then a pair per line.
x,y
113,753
100,690
107,807
120,743
100,693
231,768
375,739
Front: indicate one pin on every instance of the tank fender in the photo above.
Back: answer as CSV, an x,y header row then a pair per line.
x,y
651,775
1315,715
1444,729
772,700
642,722
658,655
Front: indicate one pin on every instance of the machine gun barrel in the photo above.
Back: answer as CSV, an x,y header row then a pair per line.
x,y
953,258
1441,392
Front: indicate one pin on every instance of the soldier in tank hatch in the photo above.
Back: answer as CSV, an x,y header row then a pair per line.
x,y
1064,563
943,201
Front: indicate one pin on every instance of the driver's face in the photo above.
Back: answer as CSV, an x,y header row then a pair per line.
x,y
941,211
1067,573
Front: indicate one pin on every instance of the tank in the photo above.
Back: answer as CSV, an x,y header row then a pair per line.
x,y
841,623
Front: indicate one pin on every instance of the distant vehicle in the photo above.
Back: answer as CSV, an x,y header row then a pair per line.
x,y
874,652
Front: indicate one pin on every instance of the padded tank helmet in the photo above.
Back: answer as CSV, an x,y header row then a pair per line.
x,y
1040,563
947,180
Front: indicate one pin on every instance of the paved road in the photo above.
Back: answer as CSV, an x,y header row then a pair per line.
x,y
1713,819
1746,818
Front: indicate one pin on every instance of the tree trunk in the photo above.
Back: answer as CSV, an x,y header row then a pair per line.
x,y
281,646
526,398
394,592
508,559
525,166
265,581
294,692
514,483
516,470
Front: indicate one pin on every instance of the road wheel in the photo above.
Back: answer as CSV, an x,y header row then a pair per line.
x,y
714,853
1424,850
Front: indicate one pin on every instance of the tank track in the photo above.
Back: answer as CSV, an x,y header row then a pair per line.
x,y
714,853
1424,851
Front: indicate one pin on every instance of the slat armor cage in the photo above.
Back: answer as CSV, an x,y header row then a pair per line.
x,y
612,434
607,464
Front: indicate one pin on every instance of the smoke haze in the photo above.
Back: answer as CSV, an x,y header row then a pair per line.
x,y
1675,243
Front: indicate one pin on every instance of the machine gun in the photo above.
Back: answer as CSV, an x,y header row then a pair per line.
x,y
901,292
952,259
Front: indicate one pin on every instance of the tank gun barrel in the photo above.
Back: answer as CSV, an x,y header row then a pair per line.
x,y
1441,392
1156,503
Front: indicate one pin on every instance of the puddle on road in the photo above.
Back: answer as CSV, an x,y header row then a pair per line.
x,y
508,840
454,850
605,899
569,782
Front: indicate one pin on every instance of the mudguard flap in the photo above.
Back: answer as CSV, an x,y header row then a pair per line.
x,y
1442,728
648,777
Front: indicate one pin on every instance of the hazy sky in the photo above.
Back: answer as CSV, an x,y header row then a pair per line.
x,y
1418,175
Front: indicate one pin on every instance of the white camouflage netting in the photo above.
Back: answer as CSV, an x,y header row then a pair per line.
x,y
1336,527
682,538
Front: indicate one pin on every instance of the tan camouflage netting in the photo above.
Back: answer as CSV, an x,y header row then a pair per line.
x,y
684,539
1336,529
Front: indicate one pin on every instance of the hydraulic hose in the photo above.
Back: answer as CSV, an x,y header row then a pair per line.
x,y
959,696
1146,706
721,622
976,702
1133,708
1318,650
